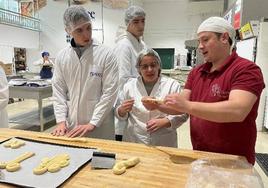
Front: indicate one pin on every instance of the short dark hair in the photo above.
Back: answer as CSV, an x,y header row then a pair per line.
x,y
45,54
229,40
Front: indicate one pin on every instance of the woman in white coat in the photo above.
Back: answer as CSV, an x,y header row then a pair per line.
x,y
129,44
4,97
148,127
84,82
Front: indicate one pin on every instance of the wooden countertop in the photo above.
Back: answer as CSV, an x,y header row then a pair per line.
x,y
159,166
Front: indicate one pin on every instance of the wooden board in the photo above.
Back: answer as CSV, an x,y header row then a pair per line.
x,y
159,166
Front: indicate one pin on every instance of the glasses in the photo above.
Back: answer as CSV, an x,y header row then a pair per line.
x,y
145,67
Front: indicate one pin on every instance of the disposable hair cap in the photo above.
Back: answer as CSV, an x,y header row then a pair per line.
x,y
133,12
74,17
217,24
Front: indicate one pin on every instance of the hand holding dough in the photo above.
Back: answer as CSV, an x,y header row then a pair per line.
x,y
120,167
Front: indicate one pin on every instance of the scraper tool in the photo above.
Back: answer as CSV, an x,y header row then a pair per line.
x,y
102,160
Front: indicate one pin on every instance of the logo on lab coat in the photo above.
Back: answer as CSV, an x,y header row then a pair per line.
x,y
98,74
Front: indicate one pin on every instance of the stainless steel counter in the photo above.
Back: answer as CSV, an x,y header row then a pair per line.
x,y
179,75
38,93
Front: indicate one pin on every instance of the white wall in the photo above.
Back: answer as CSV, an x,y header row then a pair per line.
x,y
18,37
261,61
53,36
6,54
170,23
15,37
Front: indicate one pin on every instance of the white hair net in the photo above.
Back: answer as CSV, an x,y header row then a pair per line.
x,y
148,52
218,25
74,17
133,12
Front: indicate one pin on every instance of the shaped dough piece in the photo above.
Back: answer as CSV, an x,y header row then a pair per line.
x,y
53,164
14,165
132,162
120,167
14,143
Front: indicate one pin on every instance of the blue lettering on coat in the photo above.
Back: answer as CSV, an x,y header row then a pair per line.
x,y
95,74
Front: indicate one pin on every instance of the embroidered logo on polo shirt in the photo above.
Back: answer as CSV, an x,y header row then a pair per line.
x,y
216,89
217,92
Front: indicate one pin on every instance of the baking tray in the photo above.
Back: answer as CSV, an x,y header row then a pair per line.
x,y
79,156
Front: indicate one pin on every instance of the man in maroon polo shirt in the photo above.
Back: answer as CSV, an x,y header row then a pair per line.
x,y
222,95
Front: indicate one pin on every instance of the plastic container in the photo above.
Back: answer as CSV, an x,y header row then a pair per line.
x,y
223,173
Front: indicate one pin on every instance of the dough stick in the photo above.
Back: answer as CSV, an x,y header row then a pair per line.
x,y
22,157
63,138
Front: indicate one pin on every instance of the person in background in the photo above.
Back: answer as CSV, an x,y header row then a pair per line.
x,y
46,66
4,97
128,45
84,82
222,95
148,127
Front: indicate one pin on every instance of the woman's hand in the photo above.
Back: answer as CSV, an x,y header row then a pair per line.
x,y
125,107
155,124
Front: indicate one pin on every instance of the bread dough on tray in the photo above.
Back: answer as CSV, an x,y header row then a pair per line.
x,y
14,143
14,165
53,164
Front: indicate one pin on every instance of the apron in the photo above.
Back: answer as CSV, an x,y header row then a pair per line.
x,y
46,72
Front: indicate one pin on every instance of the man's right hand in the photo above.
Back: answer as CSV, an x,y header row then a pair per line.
x,y
60,130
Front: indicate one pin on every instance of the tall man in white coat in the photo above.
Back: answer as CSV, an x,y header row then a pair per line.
x,y
128,45
4,97
85,82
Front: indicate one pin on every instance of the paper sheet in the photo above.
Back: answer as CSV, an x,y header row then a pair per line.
x,y
25,176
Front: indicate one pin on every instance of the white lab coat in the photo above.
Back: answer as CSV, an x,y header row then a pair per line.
x,y
85,89
4,97
139,115
127,49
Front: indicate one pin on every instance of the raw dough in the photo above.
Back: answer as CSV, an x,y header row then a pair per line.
x,y
64,138
14,165
53,164
120,167
132,162
14,143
